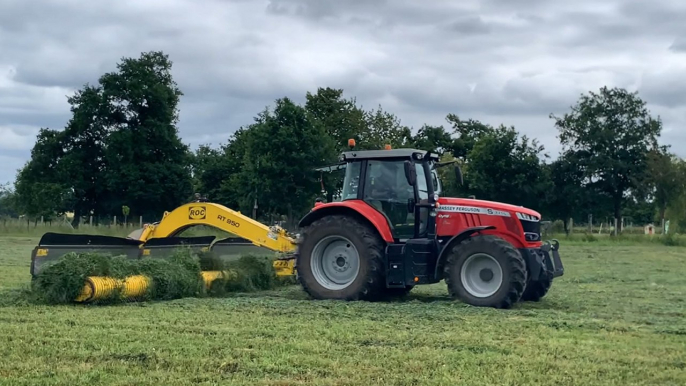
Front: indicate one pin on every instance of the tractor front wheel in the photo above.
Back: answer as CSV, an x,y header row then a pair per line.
x,y
340,258
536,290
486,271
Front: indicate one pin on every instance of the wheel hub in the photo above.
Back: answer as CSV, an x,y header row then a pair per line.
x,y
481,275
486,274
335,262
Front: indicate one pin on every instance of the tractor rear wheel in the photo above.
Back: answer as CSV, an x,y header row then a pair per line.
x,y
340,258
486,271
536,290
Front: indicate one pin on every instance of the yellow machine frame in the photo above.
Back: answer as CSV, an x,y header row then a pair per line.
x,y
273,238
218,216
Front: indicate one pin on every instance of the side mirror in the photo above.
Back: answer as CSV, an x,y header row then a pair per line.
x,y
410,173
458,175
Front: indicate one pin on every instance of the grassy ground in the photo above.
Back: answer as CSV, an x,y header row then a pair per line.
x,y
616,317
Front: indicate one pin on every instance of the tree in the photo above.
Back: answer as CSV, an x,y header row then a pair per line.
x,y
70,160
676,210
125,210
341,118
207,171
41,186
83,142
148,167
567,194
450,185
384,128
468,132
610,134
120,146
39,199
434,139
8,203
282,148
666,180
502,166
216,170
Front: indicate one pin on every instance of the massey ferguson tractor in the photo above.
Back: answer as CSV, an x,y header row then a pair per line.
x,y
390,231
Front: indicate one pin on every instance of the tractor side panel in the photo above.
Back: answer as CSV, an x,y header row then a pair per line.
x,y
360,207
453,219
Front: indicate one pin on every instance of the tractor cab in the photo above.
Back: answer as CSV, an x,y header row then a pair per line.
x,y
402,184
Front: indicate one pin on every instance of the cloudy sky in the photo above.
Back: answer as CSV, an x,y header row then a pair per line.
x,y
499,61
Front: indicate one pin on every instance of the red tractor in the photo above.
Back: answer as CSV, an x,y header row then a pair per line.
x,y
391,231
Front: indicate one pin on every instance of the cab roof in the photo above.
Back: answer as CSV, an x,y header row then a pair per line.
x,y
355,155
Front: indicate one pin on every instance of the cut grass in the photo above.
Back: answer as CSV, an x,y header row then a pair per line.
x,y
616,317
175,277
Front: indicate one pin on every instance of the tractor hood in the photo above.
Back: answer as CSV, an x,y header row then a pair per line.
x,y
468,205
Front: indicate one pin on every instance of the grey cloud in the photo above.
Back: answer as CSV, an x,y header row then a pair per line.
x,y
319,9
388,13
496,60
666,89
470,25
17,138
678,45
10,162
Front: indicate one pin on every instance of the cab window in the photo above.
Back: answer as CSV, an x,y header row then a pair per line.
x,y
421,182
387,190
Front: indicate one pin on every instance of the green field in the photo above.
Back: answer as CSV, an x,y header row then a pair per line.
x,y
616,317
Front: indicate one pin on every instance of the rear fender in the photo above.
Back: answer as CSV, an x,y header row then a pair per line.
x,y
455,240
356,208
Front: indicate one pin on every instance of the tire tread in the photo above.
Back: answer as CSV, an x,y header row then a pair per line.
x,y
517,267
371,254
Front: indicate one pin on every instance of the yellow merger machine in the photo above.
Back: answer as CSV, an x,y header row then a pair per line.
x,y
160,239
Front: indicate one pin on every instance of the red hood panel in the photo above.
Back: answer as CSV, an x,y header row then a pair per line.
x,y
465,204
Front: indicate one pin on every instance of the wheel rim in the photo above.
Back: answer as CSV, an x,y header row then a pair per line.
x,y
335,262
481,275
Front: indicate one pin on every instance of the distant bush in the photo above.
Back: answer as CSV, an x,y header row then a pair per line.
x,y
671,239
557,227
589,237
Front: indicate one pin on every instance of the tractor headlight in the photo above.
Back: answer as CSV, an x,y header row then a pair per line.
x,y
529,236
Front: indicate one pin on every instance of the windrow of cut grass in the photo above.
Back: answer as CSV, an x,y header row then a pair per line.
x,y
177,277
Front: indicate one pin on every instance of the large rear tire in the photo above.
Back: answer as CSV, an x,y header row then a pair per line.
x,y
536,290
486,271
340,258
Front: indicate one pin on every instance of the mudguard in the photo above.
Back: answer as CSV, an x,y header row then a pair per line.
x,y
356,207
458,238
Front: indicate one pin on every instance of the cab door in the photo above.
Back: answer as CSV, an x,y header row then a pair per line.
x,y
386,189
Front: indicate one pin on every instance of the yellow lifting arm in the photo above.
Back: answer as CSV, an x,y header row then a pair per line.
x,y
218,216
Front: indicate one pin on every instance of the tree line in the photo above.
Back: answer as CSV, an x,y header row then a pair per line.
x,y
121,149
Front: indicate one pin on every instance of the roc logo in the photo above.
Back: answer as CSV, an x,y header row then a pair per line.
x,y
197,213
